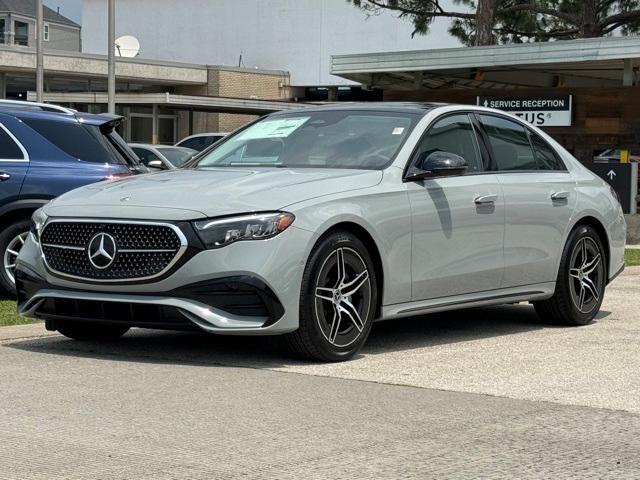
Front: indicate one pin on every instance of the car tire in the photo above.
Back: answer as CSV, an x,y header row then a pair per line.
x,y
11,240
90,332
581,281
338,300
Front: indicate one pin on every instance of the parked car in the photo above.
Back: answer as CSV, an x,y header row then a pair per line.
x,y
162,157
46,150
200,141
613,155
314,223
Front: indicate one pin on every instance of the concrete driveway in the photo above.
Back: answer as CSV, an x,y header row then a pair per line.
x,y
489,393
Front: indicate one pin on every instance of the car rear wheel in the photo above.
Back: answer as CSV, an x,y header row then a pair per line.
x,y
12,239
90,331
338,300
581,281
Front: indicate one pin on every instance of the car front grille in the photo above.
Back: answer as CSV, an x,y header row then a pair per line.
x,y
132,250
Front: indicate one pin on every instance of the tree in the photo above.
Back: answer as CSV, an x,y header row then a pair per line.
x,y
484,22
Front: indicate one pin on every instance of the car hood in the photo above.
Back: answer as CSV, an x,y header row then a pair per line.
x,y
183,194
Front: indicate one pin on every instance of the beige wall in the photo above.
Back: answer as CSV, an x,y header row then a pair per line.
x,y
232,82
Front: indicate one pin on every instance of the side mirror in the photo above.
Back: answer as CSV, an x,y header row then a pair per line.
x,y
437,164
156,164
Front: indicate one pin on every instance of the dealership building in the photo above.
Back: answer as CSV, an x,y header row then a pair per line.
x,y
583,92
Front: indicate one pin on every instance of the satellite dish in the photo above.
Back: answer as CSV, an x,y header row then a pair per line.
x,y
127,46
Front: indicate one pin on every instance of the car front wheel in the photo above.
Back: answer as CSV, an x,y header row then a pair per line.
x,y
581,281
338,300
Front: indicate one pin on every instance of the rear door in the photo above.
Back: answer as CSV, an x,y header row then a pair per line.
x,y
539,196
14,161
457,222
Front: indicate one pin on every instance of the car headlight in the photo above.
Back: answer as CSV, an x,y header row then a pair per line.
x,y
217,233
38,220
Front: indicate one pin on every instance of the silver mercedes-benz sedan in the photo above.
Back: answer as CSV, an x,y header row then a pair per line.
x,y
315,223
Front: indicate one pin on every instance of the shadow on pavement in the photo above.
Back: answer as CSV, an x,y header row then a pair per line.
x,y
268,352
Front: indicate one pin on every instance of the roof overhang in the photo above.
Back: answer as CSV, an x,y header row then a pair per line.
x,y
587,62
73,64
176,102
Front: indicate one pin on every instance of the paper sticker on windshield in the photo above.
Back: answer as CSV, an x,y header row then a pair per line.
x,y
397,131
276,128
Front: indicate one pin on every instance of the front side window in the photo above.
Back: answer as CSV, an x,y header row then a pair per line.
x,y
452,134
177,156
9,149
546,158
145,155
45,36
510,144
2,27
320,139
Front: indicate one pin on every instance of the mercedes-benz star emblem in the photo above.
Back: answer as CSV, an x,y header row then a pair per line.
x,y
102,251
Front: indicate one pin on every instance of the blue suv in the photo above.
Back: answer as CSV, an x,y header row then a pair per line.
x,y
45,151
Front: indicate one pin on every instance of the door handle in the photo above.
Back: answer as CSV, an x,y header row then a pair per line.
x,y
559,195
4,176
485,199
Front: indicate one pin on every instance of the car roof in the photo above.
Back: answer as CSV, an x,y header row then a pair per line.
x,y
158,146
418,108
25,110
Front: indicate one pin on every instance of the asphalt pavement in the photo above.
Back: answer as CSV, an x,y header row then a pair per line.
x,y
482,393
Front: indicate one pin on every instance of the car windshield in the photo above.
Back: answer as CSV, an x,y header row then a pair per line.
x,y
177,156
324,139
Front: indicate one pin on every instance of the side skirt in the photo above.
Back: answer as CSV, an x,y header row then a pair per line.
x,y
540,291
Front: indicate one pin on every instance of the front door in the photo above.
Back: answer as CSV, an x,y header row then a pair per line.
x,y
457,222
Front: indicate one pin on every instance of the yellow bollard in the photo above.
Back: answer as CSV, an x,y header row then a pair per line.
x,y
624,156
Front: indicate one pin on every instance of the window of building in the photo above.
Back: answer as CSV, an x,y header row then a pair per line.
x,y
9,149
510,144
21,33
45,35
452,134
2,26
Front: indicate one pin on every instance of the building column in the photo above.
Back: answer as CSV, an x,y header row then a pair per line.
x,y
154,128
627,76
3,86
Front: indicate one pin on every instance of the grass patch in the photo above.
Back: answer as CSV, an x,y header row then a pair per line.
x,y
632,257
8,315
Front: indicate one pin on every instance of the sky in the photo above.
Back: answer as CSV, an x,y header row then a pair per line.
x,y
69,8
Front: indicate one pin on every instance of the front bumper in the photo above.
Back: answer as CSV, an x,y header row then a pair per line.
x,y
250,288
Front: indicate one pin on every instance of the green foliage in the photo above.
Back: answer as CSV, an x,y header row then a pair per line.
x,y
518,21
8,315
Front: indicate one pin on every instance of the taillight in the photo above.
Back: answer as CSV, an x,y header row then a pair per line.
x,y
116,176
614,193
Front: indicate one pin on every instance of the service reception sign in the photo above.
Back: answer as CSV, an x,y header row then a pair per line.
x,y
543,111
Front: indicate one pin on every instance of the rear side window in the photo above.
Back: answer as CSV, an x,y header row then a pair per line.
x,y
9,149
510,144
196,143
80,141
546,158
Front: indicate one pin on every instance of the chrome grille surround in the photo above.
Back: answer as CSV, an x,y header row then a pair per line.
x,y
146,249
